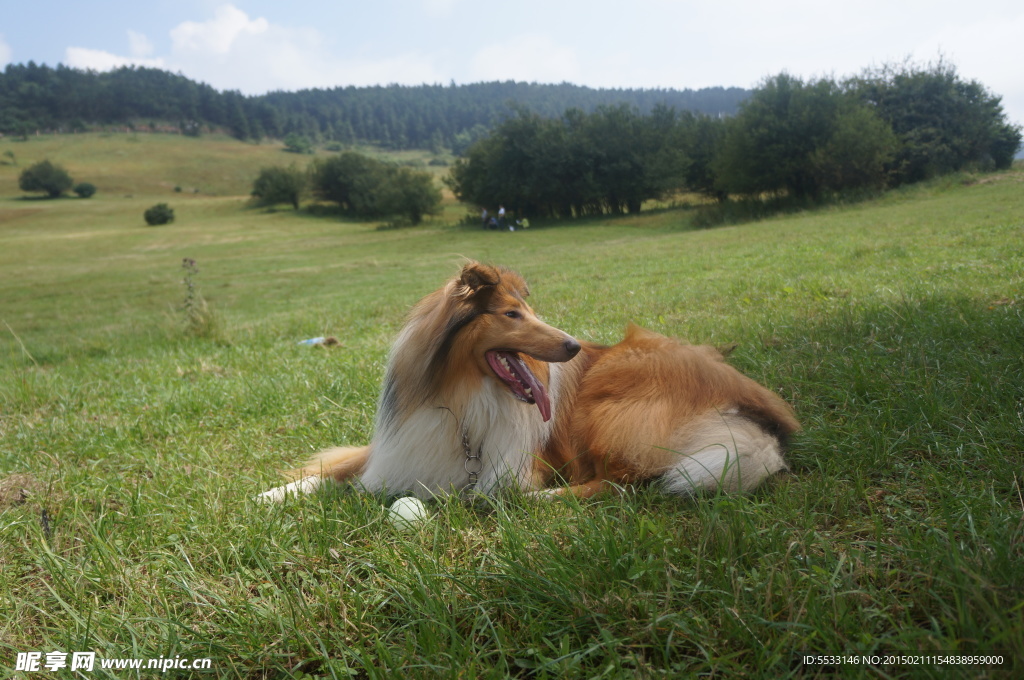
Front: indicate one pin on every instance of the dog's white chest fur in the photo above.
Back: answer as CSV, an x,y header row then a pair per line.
x,y
424,452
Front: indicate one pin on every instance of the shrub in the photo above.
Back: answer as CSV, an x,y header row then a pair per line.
x,y
159,214
279,185
409,194
85,190
365,187
351,180
296,143
44,176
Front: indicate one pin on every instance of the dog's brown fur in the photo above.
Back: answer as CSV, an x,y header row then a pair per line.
x,y
648,407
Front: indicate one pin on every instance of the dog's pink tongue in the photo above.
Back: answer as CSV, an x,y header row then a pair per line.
x,y
540,395
515,373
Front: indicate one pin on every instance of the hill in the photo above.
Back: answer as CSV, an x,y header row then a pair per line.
x,y
40,98
130,450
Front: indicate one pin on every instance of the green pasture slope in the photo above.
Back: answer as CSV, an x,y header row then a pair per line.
x,y
130,450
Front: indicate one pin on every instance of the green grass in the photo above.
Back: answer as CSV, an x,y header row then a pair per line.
x,y
130,450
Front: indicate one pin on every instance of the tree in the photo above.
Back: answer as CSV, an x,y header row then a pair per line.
x,y
51,179
802,139
944,123
365,187
349,179
280,185
410,194
856,153
520,165
704,136
237,121
611,160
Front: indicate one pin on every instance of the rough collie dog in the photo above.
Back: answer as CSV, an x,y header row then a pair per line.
x,y
481,395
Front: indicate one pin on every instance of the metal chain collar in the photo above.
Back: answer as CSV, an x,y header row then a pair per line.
x,y
474,465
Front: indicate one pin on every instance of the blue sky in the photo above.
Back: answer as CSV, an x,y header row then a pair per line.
x,y
259,45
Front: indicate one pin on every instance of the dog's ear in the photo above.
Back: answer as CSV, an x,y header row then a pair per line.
x,y
476,277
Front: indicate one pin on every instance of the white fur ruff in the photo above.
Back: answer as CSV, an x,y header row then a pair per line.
x,y
424,454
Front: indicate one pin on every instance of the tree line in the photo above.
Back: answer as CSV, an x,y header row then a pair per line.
x,y
794,138
36,97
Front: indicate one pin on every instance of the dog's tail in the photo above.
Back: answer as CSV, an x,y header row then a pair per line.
x,y
338,464
725,451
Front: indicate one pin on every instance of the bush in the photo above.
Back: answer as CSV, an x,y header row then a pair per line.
x,y
159,214
44,176
295,143
85,190
409,194
279,185
365,187
349,179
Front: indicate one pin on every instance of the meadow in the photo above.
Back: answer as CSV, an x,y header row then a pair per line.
x,y
131,447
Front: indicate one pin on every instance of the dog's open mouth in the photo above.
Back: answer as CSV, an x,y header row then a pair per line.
x,y
520,380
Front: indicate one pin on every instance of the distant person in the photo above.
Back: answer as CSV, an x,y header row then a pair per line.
x,y
483,218
501,216
523,223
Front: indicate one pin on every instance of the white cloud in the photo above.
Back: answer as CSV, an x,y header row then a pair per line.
x,y
532,57
233,51
5,52
98,60
138,44
218,35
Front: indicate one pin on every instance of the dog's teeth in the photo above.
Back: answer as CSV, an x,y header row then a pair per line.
x,y
529,392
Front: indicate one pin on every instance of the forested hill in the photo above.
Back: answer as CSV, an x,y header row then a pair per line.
x,y
41,98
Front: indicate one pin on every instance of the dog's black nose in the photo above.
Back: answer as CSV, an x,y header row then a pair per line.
x,y
572,347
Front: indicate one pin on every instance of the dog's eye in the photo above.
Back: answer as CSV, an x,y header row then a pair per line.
x,y
513,314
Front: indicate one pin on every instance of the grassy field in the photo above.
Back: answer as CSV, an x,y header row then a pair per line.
x,y
130,450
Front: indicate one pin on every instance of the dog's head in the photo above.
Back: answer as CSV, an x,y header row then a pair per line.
x,y
503,335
